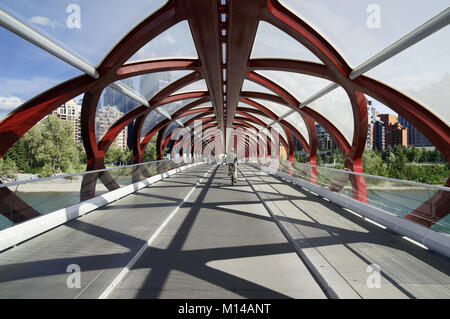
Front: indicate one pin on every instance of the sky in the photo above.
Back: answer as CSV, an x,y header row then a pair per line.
x,y
422,71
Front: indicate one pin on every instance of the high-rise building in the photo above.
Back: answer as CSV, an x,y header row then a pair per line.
x,y
388,119
415,138
325,142
379,135
370,138
71,113
123,104
104,119
371,112
372,117
395,133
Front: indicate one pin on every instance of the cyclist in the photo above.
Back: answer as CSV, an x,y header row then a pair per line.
x,y
232,161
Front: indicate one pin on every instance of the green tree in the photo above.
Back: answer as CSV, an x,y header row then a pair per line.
x,y
372,162
150,150
58,148
18,155
32,139
396,165
8,168
337,158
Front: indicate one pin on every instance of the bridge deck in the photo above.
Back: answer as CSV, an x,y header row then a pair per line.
x,y
221,243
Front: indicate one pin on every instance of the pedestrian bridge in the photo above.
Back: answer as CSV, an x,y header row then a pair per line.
x,y
269,79
193,235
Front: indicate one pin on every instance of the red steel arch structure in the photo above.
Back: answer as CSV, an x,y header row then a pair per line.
x,y
224,33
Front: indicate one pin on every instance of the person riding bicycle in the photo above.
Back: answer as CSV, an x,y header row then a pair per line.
x,y
232,160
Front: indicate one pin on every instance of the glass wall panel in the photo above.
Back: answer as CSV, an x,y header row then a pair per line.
x,y
422,72
299,85
271,42
174,42
26,71
174,124
89,29
361,28
335,106
112,105
154,118
297,121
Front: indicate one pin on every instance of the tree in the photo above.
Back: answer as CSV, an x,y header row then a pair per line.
x,y
32,140
7,168
372,162
337,158
17,154
396,165
150,150
58,148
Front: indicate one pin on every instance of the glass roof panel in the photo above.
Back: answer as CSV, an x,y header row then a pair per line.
x,y
280,130
297,121
171,108
111,106
203,105
150,84
174,124
154,118
197,86
242,104
422,72
27,71
362,28
278,109
88,29
271,42
336,108
251,86
174,42
299,85
265,119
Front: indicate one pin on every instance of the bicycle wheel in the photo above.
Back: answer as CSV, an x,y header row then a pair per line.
x,y
232,175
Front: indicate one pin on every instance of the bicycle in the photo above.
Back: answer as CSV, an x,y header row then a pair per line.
x,y
232,168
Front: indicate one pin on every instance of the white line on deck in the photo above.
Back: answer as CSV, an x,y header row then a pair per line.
x,y
127,268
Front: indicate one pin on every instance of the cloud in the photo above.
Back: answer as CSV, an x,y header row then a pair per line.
x,y
168,39
26,88
9,103
45,22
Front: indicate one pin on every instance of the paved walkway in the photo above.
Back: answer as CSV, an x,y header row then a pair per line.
x,y
221,243
342,246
